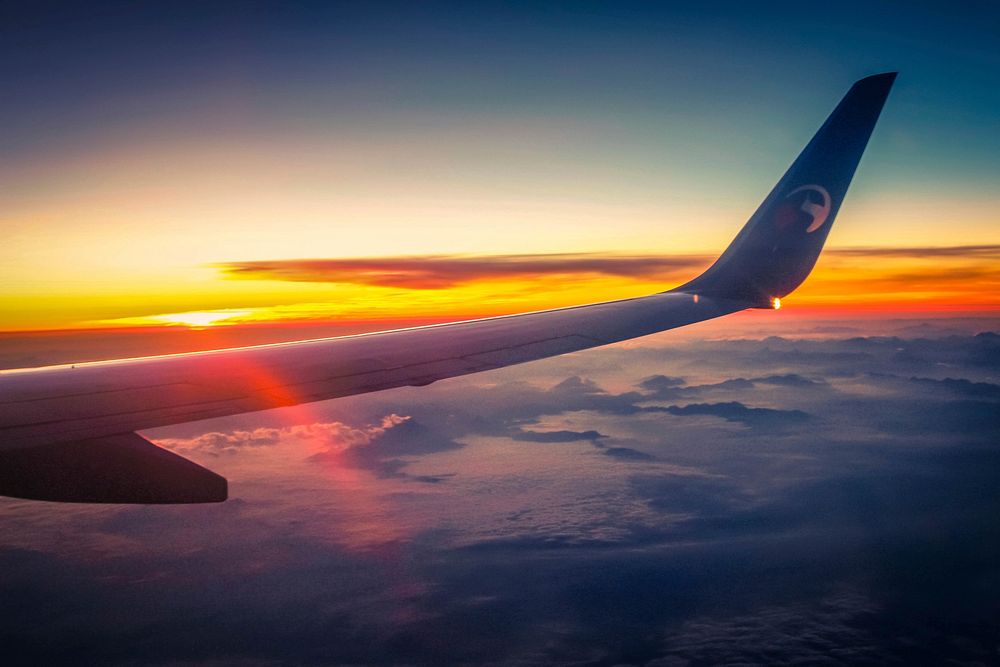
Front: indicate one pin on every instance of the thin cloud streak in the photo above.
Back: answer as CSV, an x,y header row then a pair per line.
x,y
429,272
986,251
444,271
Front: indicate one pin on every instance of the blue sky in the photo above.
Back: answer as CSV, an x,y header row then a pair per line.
x,y
637,63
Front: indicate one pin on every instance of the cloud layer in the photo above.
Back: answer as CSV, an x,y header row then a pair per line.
x,y
772,501
443,271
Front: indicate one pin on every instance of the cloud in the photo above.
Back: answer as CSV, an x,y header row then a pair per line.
x,y
735,411
787,380
936,277
444,271
382,447
388,448
664,386
985,251
577,393
934,416
216,441
866,532
961,386
333,436
555,436
627,454
830,632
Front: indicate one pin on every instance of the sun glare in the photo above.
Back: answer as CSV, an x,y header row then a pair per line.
x,y
200,319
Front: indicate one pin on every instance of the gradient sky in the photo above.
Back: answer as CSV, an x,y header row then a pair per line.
x,y
143,146
814,484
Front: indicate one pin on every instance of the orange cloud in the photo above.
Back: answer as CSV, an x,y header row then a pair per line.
x,y
446,271
327,437
985,251
385,292
963,277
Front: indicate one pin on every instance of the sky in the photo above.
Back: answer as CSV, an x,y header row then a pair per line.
x,y
817,484
155,157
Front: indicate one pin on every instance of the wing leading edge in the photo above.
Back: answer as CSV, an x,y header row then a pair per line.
x,y
67,433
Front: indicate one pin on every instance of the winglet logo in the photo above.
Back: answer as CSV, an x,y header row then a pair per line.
x,y
819,212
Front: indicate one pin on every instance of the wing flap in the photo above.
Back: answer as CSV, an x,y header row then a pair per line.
x,y
121,468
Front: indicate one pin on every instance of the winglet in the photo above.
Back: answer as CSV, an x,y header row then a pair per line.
x,y
779,245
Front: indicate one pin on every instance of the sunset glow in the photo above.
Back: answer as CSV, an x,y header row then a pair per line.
x,y
197,319
243,420
932,280
238,197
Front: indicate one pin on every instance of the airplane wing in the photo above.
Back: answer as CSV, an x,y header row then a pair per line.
x,y
68,433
